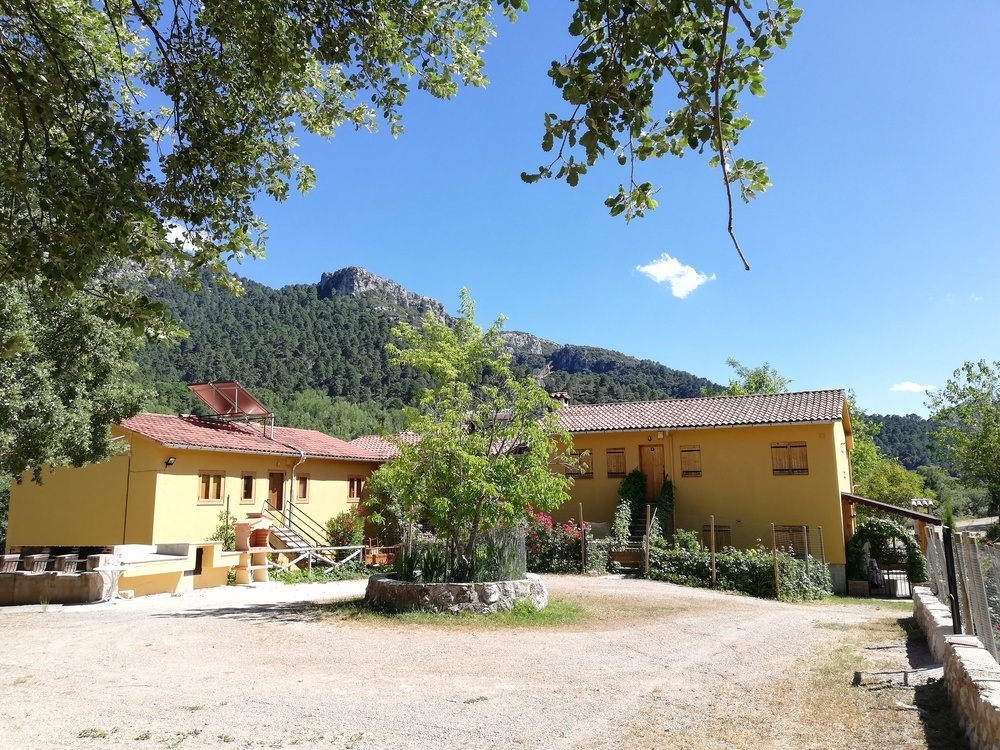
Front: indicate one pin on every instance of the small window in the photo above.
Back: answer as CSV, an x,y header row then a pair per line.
x,y
616,463
210,488
690,460
355,486
789,458
246,498
302,488
585,460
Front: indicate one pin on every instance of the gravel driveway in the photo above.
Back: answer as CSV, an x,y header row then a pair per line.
x,y
256,668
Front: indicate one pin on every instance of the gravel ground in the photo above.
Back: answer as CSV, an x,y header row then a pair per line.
x,y
258,668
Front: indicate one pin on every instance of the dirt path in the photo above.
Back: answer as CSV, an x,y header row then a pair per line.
x,y
248,668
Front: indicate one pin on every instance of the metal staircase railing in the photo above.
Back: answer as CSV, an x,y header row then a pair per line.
x,y
307,527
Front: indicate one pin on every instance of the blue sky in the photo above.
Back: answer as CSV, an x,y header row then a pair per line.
x,y
874,254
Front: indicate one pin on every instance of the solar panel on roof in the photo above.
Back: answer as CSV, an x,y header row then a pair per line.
x,y
229,399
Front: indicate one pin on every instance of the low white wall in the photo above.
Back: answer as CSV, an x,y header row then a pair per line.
x,y
970,671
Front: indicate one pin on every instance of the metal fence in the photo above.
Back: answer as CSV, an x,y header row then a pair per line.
x,y
965,574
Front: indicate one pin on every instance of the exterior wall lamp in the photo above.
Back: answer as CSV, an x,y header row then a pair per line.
x,y
170,461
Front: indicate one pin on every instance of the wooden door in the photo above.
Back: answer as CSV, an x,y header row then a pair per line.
x,y
276,490
651,464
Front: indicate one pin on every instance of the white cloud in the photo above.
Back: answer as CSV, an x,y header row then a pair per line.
x,y
975,297
682,279
911,387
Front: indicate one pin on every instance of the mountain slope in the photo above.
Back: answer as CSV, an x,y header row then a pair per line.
x,y
329,339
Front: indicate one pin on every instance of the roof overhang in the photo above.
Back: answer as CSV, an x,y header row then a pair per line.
x,y
893,509
701,427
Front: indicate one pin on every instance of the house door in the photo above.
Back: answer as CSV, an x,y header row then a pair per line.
x,y
276,490
651,464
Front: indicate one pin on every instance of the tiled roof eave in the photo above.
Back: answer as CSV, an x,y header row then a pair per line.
x,y
677,427
285,454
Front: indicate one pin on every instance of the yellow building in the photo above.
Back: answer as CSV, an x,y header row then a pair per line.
x,y
749,461
177,474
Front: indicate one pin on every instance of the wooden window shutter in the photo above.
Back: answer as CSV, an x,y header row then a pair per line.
x,y
690,460
616,462
798,462
779,458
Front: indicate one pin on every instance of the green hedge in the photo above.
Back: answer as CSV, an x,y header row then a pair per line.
x,y
746,571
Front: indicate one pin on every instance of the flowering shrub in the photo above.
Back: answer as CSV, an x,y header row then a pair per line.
x,y
346,529
747,571
552,547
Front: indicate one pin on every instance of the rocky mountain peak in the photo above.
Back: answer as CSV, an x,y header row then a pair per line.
x,y
356,282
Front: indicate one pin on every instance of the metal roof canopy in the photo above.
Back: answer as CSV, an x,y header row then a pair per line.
x,y
893,509
230,400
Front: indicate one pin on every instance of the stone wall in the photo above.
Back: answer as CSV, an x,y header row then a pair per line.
x,y
388,594
50,588
970,671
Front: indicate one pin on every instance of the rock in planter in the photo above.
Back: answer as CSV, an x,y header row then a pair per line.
x,y
389,595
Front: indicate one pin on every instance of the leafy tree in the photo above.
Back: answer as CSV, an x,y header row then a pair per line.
x,y
488,440
888,482
965,501
967,411
865,454
701,55
762,379
4,510
140,136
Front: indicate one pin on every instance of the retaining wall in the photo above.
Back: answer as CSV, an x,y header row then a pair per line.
x,y
386,593
50,588
970,671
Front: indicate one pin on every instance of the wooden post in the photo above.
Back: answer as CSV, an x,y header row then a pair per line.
x,y
805,540
774,557
822,549
583,542
711,529
649,521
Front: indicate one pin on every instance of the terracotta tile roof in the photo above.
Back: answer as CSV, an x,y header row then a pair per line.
x,y
242,437
383,447
721,411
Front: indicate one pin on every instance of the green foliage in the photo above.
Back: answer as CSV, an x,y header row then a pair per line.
x,y
487,442
4,509
64,376
965,501
665,505
865,454
993,532
909,439
553,547
633,491
705,56
967,411
349,571
346,529
142,136
750,380
880,534
751,571
318,359
621,526
225,532
888,482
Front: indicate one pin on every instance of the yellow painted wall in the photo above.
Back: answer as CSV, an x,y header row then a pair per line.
x,y
737,484
90,505
179,515
84,506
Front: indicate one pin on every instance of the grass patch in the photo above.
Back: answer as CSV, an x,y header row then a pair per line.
x,y
95,733
346,572
892,605
558,613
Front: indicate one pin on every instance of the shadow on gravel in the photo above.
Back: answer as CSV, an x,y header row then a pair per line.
x,y
280,612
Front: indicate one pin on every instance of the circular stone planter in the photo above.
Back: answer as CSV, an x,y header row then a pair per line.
x,y
389,595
